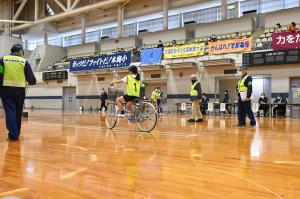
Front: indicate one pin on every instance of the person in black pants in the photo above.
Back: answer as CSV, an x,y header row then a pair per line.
x,y
263,105
103,98
280,106
226,100
244,90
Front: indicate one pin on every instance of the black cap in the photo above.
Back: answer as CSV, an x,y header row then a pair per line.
x,y
16,48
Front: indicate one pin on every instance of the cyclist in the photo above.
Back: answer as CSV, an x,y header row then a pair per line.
x,y
133,85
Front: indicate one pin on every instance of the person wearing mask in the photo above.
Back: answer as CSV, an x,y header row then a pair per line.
x,y
15,72
195,96
263,105
160,44
103,98
133,85
244,90
204,103
226,100
280,106
292,27
278,28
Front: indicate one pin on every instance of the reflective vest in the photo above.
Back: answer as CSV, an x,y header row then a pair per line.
x,y
14,75
241,85
154,95
133,86
194,92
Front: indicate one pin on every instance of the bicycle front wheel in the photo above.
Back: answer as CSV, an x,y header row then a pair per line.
x,y
146,117
111,115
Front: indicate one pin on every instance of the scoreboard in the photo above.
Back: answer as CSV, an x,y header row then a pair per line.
x,y
268,58
55,75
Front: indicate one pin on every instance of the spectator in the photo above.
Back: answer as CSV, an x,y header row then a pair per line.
x,y
122,50
103,98
263,105
174,43
204,104
160,44
278,28
144,46
136,53
292,27
237,35
213,38
280,106
226,100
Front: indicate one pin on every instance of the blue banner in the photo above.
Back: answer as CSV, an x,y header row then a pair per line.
x,y
151,56
101,62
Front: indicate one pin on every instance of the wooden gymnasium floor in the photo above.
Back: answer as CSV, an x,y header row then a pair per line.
x,y
74,156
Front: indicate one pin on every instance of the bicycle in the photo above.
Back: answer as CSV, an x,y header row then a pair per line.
x,y
142,113
162,109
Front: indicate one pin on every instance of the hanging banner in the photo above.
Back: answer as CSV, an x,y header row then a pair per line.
x,y
184,51
286,40
101,62
230,46
151,56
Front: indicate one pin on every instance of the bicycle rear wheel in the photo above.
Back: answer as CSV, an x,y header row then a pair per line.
x,y
111,115
146,116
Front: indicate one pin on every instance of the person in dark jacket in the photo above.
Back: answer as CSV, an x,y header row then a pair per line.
x,y
263,105
15,71
226,100
195,95
244,90
103,98
204,104
280,106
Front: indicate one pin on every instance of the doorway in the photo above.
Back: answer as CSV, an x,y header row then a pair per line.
x,y
260,84
295,96
69,98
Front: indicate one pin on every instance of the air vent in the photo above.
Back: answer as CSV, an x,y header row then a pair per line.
x,y
155,76
219,62
230,72
101,79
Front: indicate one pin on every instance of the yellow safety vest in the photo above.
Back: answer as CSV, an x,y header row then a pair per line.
x,y
241,85
153,95
133,86
14,75
194,92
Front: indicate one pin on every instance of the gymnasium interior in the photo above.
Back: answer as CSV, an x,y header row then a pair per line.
x,y
76,48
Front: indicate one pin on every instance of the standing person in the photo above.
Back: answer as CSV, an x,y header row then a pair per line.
x,y
263,105
15,71
154,97
226,100
159,96
195,95
103,98
244,90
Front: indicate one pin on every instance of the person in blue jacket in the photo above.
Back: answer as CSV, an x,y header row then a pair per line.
x,y
15,71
